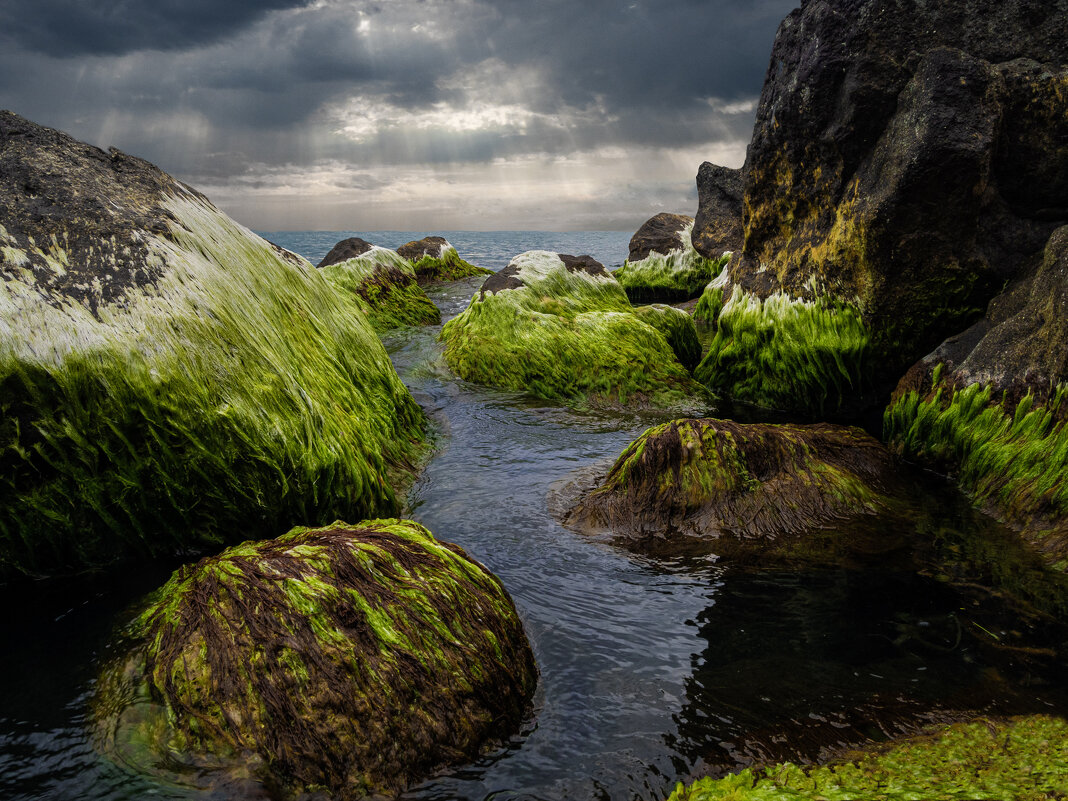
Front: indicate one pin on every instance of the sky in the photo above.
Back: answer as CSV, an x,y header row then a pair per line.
x,y
404,114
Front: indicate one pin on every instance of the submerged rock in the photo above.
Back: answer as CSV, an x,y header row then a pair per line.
x,y
167,377
434,260
561,327
757,490
663,265
381,282
1020,758
990,406
908,158
355,659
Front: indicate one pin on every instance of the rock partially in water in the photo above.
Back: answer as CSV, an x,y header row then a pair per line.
x,y
908,158
663,265
435,260
1019,758
756,490
381,282
352,659
561,327
990,406
168,379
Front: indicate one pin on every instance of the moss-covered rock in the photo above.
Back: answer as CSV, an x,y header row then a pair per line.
x,y
168,378
755,489
435,260
712,299
561,327
787,353
663,265
678,329
355,659
1024,759
381,282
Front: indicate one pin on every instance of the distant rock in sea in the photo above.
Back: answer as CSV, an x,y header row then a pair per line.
x,y
435,260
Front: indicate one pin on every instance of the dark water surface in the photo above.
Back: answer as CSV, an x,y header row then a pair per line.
x,y
652,670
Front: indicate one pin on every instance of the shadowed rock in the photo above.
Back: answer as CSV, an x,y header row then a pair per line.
x,y
660,233
718,225
344,250
356,659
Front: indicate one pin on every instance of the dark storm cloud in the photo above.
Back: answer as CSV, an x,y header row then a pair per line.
x,y
68,28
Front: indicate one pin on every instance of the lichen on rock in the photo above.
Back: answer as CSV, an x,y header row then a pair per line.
x,y
806,356
1025,759
754,489
383,284
167,377
355,659
434,260
663,265
561,327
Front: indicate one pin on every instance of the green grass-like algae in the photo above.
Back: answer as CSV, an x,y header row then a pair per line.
x,y
561,332
787,353
351,658
446,265
1023,759
678,275
384,285
239,394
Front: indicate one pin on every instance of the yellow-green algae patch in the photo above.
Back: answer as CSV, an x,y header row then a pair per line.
x,y
678,275
234,392
564,330
435,259
1011,457
787,353
1023,759
678,329
755,489
710,304
351,658
384,285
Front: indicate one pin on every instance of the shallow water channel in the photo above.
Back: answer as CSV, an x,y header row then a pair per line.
x,y
653,669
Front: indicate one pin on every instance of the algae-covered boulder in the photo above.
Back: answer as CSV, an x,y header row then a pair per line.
x,y
806,356
678,329
1025,759
355,659
990,406
712,299
381,282
168,378
434,260
755,489
663,265
907,159
561,327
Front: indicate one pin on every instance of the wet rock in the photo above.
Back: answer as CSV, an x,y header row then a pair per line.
x,y
434,260
382,283
159,364
352,659
908,158
718,225
561,327
757,490
663,265
989,406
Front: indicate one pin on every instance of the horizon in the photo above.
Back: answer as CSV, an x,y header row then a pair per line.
x,y
335,115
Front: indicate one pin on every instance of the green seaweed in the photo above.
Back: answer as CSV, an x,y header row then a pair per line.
x,y
448,266
1025,759
678,329
709,305
1013,458
240,395
787,353
669,277
564,334
384,285
350,658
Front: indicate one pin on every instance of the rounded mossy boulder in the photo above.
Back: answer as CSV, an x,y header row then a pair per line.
x,y
678,329
662,265
435,260
1024,759
167,377
381,282
806,356
755,489
561,327
355,659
